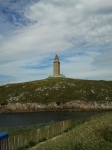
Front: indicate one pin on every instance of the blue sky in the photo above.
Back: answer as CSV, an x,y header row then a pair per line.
x,y
33,31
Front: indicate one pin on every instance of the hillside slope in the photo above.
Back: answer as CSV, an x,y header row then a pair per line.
x,y
58,90
95,134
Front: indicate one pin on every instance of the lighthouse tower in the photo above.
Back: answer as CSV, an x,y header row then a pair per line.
x,y
56,66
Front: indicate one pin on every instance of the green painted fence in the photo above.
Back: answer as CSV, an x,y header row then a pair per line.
x,y
46,132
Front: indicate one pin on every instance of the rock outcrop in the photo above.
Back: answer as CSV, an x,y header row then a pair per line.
x,y
75,105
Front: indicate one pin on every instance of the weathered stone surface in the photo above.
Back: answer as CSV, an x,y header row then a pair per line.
x,y
75,105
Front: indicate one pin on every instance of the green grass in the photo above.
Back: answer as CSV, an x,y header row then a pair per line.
x,y
75,123
58,90
30,144
13,131
93,134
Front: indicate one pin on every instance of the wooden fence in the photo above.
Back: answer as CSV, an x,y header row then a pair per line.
x,y
46,132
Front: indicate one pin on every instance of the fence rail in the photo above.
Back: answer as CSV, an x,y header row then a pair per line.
x,y
46,132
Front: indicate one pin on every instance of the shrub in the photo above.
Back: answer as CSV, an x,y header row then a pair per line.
x,y
30,144
42,140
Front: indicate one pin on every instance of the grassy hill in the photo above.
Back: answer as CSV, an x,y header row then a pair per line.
x,y
58,90
94,134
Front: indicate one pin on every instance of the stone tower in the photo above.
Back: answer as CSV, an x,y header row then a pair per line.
x,y
56,66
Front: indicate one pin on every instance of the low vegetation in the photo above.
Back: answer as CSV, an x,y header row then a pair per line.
x,y
94,134
58,90
13,131
30,144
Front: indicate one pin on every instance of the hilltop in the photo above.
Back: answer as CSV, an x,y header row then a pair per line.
x,y
58,93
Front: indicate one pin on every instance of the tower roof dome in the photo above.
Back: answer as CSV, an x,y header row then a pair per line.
x,y
56,56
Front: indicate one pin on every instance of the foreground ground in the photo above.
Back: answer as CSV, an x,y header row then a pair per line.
x,y
94,134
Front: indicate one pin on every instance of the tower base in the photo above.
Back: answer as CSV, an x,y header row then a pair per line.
x,y
58,76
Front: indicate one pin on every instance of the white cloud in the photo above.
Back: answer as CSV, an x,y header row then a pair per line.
x,y
66,28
